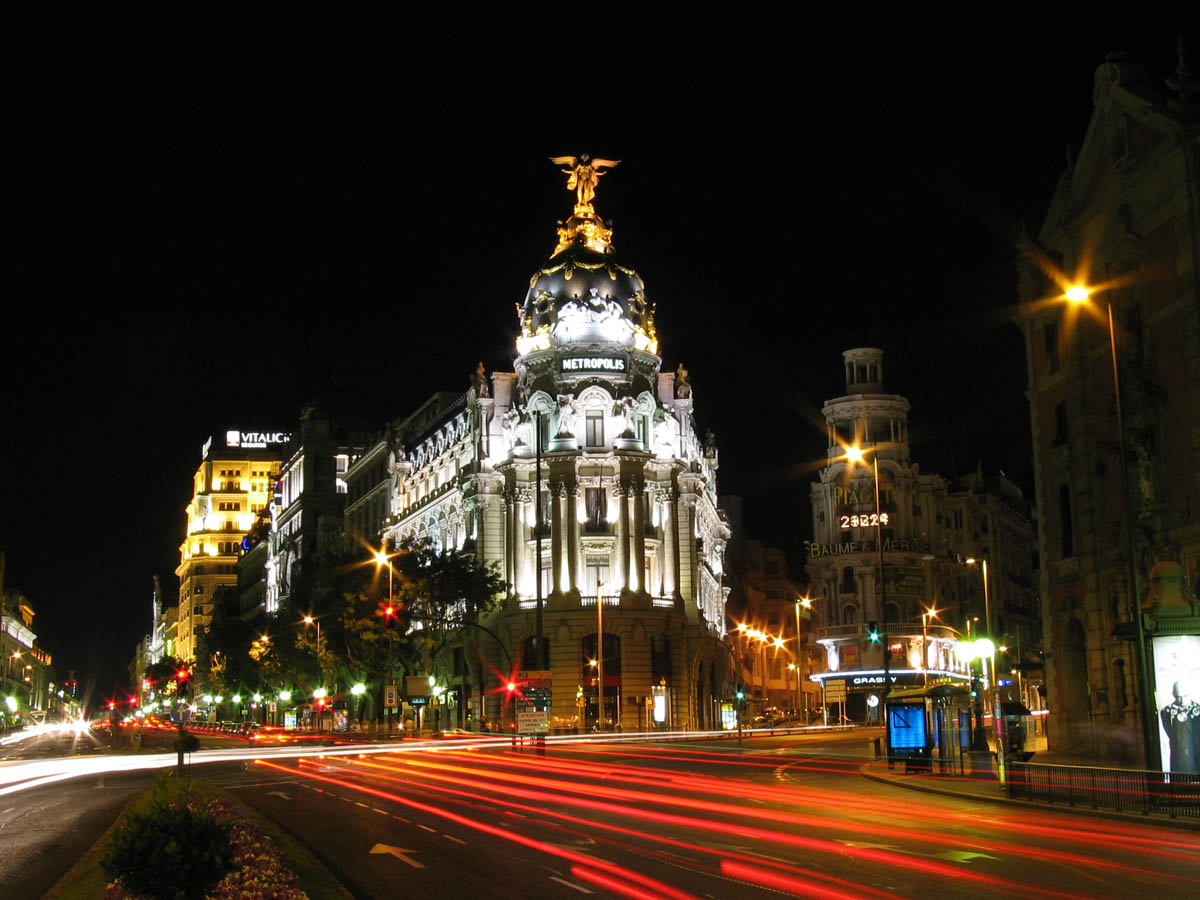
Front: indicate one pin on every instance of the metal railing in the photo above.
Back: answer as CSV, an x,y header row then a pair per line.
x,y
1175,794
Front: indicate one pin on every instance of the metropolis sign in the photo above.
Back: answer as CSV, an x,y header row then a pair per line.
x,y
592,364
255,438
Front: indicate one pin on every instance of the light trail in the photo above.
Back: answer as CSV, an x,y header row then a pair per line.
x,y
888,858
773,816
620,872
488,802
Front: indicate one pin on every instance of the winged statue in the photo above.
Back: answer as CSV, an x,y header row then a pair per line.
x,y
584,172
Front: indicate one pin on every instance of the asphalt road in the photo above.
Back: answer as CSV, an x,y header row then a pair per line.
x,y
693,820
780,817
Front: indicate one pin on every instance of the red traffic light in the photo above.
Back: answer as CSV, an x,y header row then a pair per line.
x,y
512,686
182,675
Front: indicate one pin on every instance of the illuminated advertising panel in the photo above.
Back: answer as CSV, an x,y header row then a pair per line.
x,y
906,726
1177,696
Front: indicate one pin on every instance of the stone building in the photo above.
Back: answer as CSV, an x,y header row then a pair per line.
x,y
582,475
930,528
1124,222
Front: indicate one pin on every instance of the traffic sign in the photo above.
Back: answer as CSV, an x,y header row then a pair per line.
x,y
532,721
835,691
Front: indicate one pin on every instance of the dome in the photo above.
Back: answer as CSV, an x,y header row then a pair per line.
x,y
582,295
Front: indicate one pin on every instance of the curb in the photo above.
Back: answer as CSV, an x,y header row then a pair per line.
x,y
1111,815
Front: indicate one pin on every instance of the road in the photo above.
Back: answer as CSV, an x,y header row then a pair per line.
x,y
693,819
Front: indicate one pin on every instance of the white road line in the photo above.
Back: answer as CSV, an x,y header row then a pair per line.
x,y
451,837
578,887
427,828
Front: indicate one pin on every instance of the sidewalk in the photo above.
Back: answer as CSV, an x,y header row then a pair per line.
x,y
984,786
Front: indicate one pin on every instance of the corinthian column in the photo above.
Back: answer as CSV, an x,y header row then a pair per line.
x,y
670,513
572,492
637,571
619,492
556,535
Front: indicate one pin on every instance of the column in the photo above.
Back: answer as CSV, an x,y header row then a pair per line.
x,y
670,498
619,492
637,571
556,536
572,492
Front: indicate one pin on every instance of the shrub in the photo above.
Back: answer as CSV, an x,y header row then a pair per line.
x,y
175,850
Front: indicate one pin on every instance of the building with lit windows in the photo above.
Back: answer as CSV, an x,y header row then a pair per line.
x,y
235,481
307,509
582,476
1119,534
930,528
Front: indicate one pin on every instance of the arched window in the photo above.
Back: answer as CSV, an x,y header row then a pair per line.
x,y
850,614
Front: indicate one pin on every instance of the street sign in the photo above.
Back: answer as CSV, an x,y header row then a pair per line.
x,y
835,691
532,721
389,696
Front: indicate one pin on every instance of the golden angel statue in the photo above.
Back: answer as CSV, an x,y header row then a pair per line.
x,y
584,172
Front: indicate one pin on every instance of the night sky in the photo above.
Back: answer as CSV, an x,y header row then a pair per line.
x,y
216,220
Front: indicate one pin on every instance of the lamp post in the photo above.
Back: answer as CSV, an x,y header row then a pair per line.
x,y
856,454
311,620
801,698
930,613
599,649
383,559
1078,294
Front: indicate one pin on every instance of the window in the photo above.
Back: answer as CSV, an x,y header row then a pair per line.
x,y
198,589
596,503
1060,423
595,574
1050,334
594,433
1066,531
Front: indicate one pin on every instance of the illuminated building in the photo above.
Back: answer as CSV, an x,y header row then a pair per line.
x,y
309,502
629,520
1124,222
929,527
25,666
235,481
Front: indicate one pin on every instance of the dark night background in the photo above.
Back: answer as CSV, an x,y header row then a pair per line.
x,y
215,219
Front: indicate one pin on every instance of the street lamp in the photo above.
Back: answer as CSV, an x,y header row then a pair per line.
x,y
930,613
310,620
856,454
383,559
1079,295
806,604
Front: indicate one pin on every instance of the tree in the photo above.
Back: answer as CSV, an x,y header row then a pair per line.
x,y
442,593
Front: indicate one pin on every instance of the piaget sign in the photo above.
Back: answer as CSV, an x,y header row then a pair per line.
x,y
592,364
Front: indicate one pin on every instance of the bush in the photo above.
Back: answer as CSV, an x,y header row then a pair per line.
x,y
176,850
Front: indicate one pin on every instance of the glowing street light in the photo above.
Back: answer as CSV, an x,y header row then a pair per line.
x,y
855,455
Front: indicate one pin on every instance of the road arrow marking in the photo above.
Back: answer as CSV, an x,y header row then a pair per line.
x,y
278,794
398,852
963,856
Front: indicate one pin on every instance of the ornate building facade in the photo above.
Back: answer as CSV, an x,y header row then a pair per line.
x,y
930,528
234,483
582,476
1124,221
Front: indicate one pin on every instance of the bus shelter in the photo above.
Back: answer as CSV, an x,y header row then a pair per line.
x,y
929,726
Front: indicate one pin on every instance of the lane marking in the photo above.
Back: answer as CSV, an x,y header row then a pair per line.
x,y
402,819
427,828
451,837
572,885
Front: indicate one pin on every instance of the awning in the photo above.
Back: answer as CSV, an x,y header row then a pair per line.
x,y
1014,708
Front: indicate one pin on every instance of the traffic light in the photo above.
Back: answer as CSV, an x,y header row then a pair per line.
x,y
873,632
741,694
182,675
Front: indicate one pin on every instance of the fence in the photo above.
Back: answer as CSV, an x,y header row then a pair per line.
x,y
1175,794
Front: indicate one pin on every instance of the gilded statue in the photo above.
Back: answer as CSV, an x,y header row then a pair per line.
x,y
585,172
